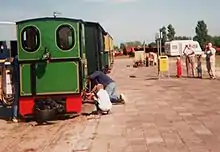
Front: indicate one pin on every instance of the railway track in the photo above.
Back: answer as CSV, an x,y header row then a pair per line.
x,y
70,134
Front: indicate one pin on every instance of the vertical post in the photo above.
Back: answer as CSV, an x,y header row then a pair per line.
x,y
160,42
157,42
158,47
145,56
158,55
157,38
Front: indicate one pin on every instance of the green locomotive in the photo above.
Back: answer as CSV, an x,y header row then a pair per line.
x,y
55,56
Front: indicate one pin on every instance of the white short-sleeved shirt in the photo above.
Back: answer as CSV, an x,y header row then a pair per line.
x,y
189,51
104,100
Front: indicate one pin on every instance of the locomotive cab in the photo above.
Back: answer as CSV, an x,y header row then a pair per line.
x,y
52,66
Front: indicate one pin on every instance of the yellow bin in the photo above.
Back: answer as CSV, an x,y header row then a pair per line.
x,y
163,64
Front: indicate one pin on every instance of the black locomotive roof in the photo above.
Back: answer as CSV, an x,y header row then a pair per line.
x,y
49,18
63,18
96,24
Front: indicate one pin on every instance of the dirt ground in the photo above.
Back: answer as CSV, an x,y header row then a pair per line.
x,y
166,115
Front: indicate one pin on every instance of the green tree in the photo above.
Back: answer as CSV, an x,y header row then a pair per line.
x,y
216,41
133,43
123,48
163,30
201,33
171,32
116,48
152,44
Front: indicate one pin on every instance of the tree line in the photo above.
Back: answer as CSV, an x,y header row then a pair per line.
x,y
169,34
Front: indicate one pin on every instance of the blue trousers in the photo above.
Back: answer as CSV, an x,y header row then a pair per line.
x,y
16,100
111,89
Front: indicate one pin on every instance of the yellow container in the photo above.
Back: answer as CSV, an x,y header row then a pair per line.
x,y
163,63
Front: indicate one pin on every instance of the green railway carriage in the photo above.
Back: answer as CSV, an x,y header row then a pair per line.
x,y
94,35
55,56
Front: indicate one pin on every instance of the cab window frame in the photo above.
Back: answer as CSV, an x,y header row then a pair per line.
x,y
73,37
24,44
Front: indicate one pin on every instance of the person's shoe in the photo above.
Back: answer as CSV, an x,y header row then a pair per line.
x,y
105,112
122,98
15,120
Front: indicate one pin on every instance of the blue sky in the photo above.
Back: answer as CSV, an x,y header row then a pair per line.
x,y
125,20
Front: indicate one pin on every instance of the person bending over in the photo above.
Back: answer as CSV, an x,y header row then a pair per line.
x,y
100,78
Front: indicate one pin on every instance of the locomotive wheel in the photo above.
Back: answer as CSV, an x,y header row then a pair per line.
x,y
43,115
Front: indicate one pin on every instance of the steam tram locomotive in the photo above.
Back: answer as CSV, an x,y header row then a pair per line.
x,y
55,56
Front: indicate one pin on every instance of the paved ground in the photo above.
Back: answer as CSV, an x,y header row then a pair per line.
x,y
167,115
175,115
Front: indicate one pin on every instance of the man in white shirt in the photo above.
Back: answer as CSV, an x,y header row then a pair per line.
x,y
210,60
101,99
190,54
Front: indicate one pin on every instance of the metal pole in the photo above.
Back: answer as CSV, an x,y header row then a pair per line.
x,y
157,37
158,49
158,52
160,42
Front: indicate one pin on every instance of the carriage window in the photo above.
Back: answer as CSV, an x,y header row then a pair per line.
x,y
30,39
65,37
195,46
174,47
167,47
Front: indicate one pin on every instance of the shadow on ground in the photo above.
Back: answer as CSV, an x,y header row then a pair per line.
x,y
5,113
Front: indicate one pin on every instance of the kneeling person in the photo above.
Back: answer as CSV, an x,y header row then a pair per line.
x,y
102,100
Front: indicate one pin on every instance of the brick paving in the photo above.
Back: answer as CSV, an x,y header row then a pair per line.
x,y
166,115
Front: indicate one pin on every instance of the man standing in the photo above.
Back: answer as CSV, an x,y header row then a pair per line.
x,y
100,78
190,54
210,60
16,82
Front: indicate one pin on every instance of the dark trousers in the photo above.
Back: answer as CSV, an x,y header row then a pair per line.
x,y
16,100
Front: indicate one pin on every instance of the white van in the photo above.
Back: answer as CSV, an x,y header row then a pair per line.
x,y
176,47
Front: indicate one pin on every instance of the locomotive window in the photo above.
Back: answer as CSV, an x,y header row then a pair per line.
x,y
65,37
30,39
